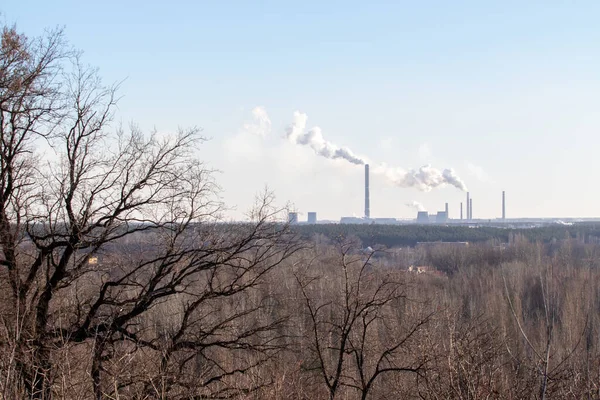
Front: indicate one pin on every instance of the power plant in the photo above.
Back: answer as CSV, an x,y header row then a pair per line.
x,y
423,217
424,179
465,217
443,217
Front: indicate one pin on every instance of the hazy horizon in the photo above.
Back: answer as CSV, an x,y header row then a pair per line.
x,y
504,95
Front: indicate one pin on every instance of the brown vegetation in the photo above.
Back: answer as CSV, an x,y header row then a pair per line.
x,y
118,281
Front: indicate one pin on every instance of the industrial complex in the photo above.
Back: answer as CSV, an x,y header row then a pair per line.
x,y
442,217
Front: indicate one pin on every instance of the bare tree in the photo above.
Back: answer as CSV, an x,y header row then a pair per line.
x,y
469,361
360,330
547,362
120,232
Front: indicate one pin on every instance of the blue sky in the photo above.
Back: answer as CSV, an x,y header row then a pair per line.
x,y
505,93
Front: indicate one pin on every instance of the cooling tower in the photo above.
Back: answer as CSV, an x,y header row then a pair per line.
x,y
422,217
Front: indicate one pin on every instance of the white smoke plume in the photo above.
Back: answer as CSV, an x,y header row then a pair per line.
x,y
416,205
453,179
424,178
261,124
314,139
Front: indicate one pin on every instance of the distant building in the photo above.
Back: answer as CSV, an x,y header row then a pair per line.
x,y
312,217
293,218
385,221
422,217
419,269
355,220
441,217
425,269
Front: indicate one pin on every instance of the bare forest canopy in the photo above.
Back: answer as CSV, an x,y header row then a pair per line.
x,y
410,235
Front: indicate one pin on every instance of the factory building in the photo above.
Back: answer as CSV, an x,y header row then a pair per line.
x,y
384,221
354,220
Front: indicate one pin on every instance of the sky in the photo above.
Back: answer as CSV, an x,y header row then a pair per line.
x,y
503,93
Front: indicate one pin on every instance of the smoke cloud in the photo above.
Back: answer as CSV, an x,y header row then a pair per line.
x,y
314,139
416,205
453,179
261,124
424,178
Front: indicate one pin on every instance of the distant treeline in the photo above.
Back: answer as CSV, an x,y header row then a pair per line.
x,y
409,235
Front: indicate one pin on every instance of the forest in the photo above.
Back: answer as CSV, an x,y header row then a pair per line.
x,y
119,281
410,235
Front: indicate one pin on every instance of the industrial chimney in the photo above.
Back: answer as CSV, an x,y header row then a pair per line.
x,y
503,206
461,215
367,200
471,208
468,207
447,215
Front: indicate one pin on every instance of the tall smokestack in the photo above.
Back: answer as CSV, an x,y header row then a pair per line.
x,y
471,208
447,215
367,200
461,216
503,205
468,202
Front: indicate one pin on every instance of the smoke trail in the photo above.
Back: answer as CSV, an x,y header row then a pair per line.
x,y
425,178
453,179
314,139
261,124
416,205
